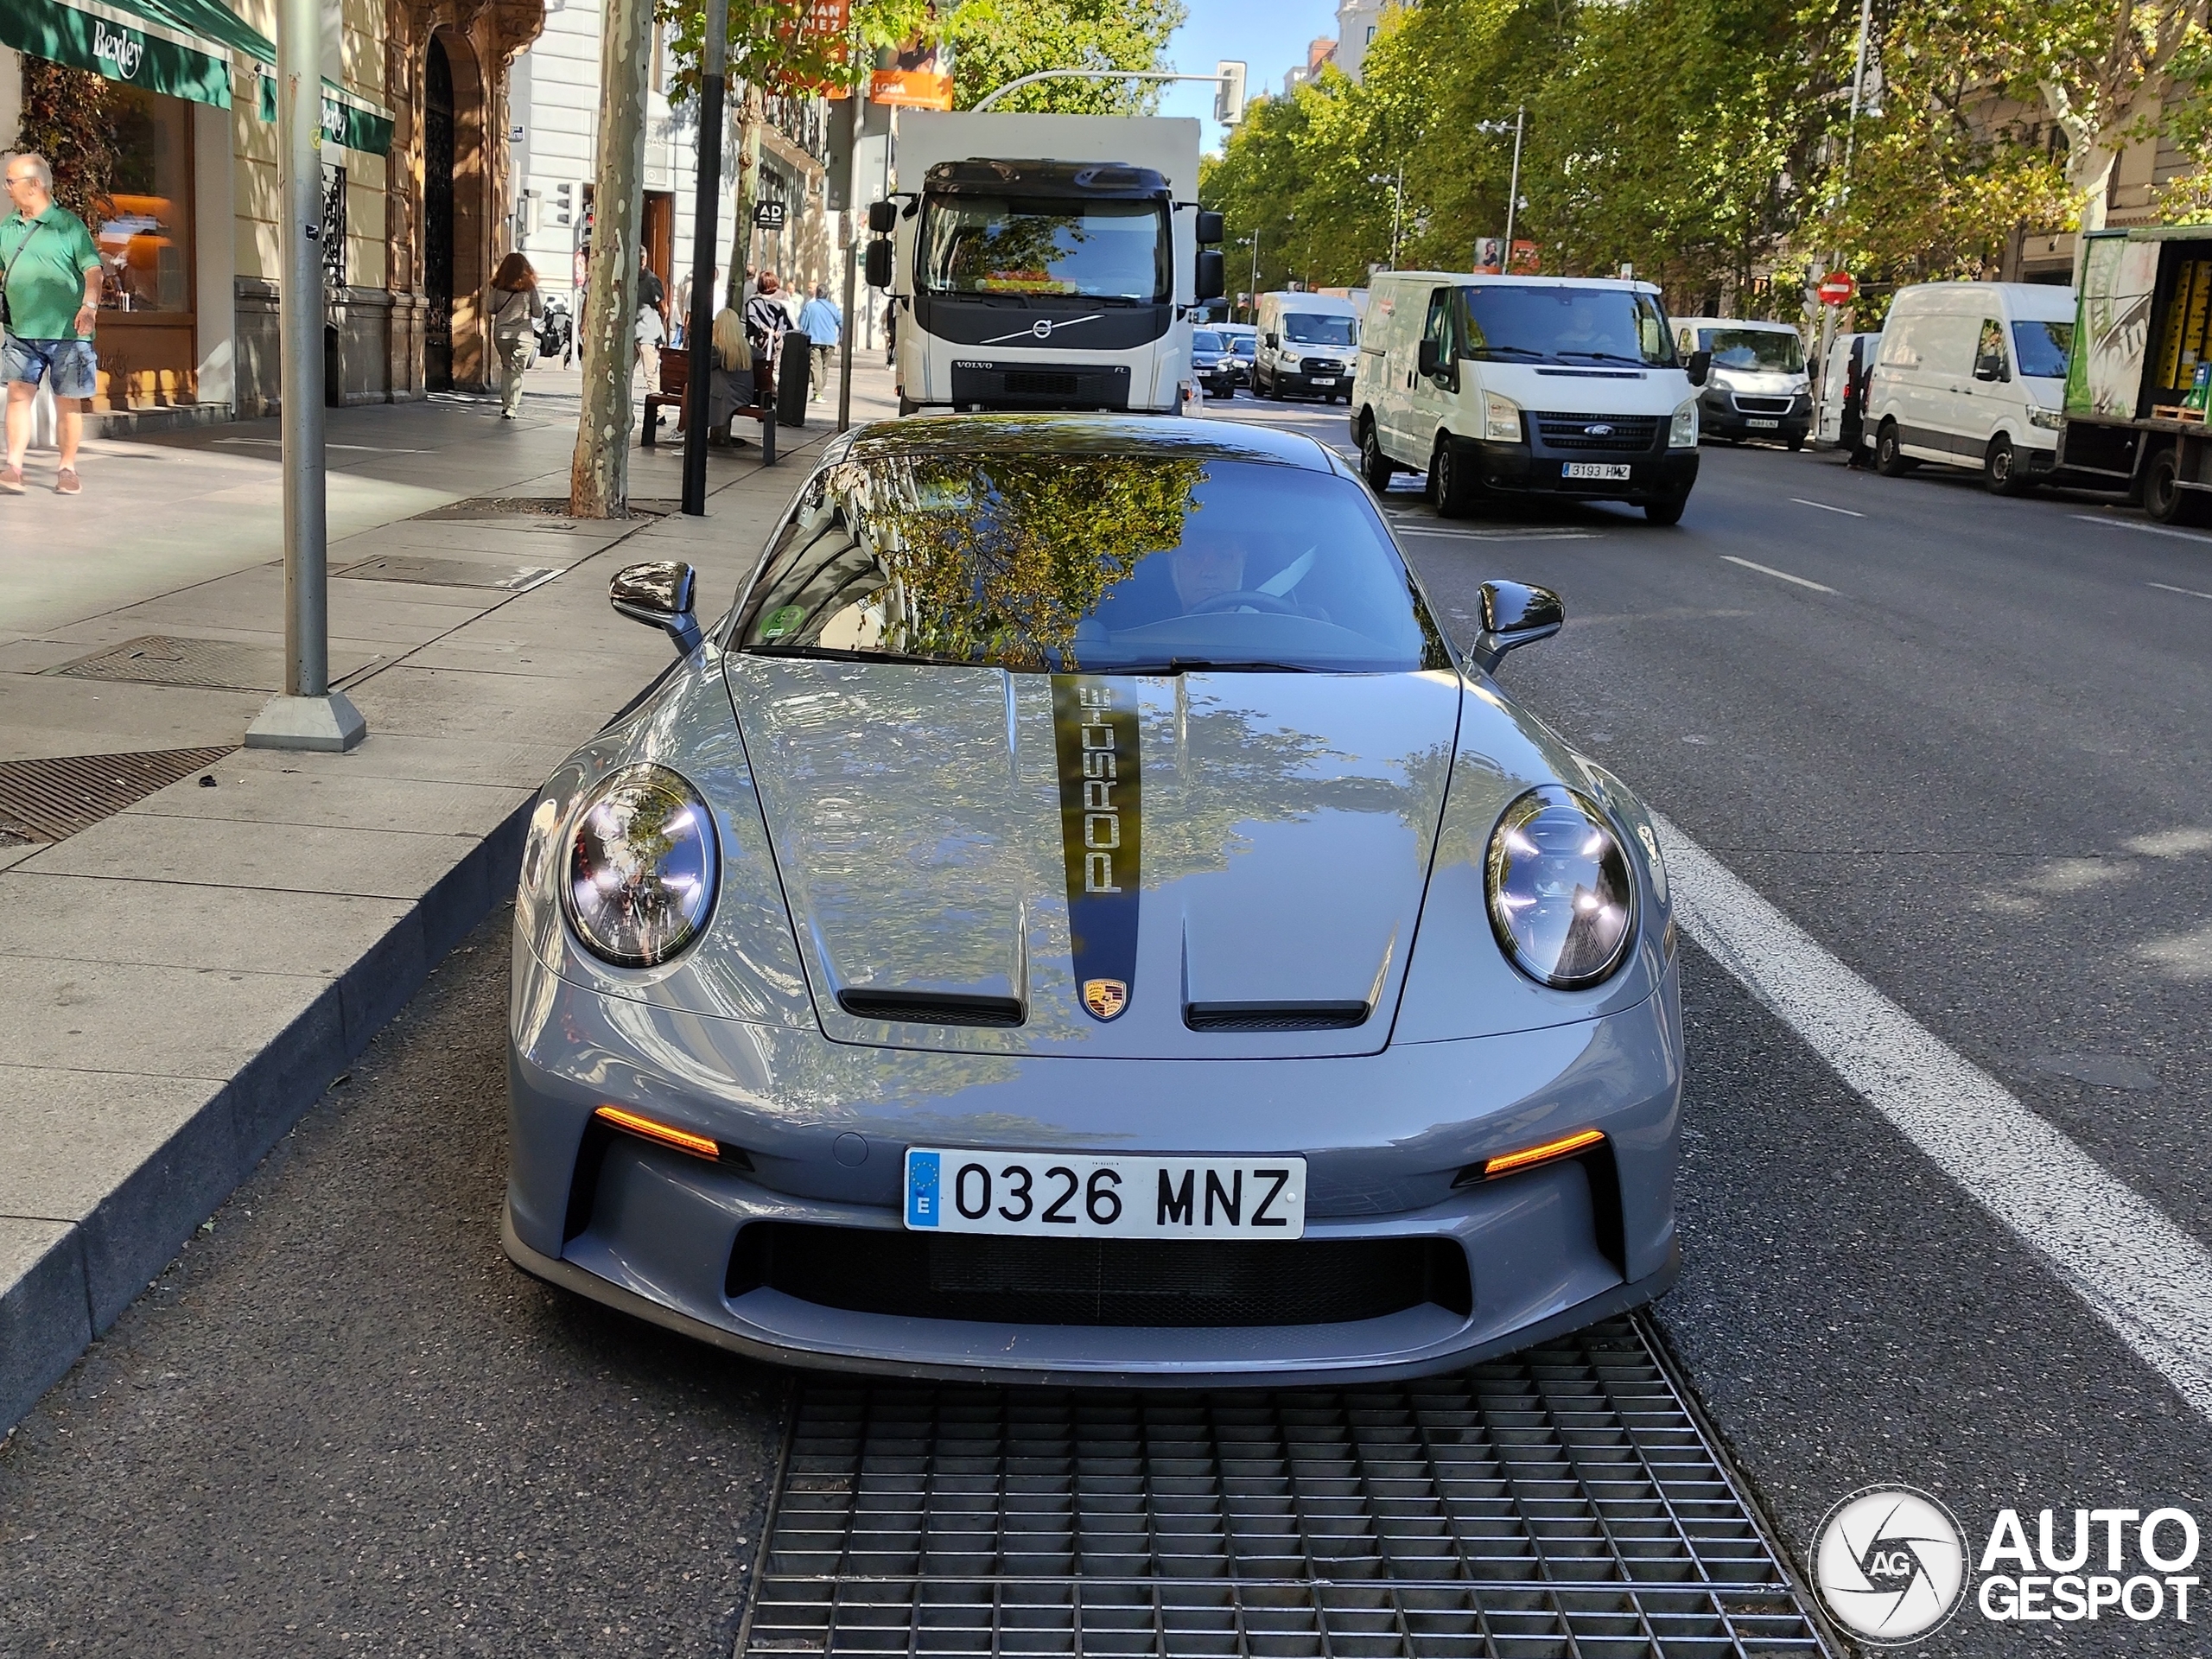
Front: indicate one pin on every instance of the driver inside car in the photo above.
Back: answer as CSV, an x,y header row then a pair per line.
x,y
1206,570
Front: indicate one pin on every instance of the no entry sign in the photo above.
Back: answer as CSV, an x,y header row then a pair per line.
x,y
1837,288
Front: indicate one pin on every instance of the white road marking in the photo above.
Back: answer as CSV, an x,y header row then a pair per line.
x,y
2165,588
1769,570
2146,530
1824,507
2147,1279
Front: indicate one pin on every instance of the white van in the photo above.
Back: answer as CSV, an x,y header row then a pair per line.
x,y
1973,374
1840,404
1525,385
1309,344
1757,387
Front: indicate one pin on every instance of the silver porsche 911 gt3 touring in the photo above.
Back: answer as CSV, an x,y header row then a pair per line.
x,y
1076,918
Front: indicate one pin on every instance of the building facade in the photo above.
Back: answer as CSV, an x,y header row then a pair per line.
x,y
181,185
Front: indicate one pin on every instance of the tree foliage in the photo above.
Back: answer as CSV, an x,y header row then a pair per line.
x,y
994,41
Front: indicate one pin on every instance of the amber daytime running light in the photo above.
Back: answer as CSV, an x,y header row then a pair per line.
x,y
1506,1163
683,1139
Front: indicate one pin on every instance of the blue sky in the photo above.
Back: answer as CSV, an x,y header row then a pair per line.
x,y
1269,35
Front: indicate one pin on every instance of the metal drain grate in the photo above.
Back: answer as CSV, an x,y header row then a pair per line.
x,y
52,800
450,573
1559,1502
211,664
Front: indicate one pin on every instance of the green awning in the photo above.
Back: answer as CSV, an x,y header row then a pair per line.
x,y
347,120
139,42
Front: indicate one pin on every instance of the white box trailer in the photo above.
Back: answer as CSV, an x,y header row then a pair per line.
x,y
1045,262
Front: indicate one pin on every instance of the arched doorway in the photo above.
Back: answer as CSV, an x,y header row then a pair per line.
x,y
438,219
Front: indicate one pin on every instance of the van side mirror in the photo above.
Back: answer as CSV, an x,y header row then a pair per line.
x,y
1699,367
1991,368
1274,339
1210,227
1514,615
883,217
878,263
659,593
1429,362
1209,280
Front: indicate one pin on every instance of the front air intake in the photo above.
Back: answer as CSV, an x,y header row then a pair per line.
x,y
930,1008
1275,1016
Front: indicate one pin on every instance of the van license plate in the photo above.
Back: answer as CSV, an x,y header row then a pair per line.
x,y
1063,1195
1324,379
1764,426
1611,472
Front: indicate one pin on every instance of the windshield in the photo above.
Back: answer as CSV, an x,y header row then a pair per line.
x,y
1054,562
1206,340
1094,250
1306,328
1518,323
1770,350
2044,348
1243,345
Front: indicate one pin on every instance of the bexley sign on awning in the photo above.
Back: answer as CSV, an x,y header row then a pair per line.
x,y
180,47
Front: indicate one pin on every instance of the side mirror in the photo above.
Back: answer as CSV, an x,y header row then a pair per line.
x,y
878,260
1211,279
1986,370
1429,362
883,217
1514,614
1699,366
659,593
1274,339
1211,228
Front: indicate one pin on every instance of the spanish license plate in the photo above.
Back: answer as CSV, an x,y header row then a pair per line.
x,y
1611,472
1324,379
1764,426
1048,1195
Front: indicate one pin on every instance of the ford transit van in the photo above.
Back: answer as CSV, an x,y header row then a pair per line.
x,y
1525,385
1973,374
1757,387
1308,346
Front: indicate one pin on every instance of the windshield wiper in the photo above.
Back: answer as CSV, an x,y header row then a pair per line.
x,y
1210,665
1515,351
1611,357
841,654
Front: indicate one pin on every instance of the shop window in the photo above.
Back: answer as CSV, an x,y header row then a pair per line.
x,y
144,223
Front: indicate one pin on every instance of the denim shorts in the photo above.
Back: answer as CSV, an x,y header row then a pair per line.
x,y
70,363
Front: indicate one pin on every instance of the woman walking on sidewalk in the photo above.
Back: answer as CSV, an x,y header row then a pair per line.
x,y
516,306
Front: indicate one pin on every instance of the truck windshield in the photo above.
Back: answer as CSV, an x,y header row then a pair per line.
x,y
1091,249
937,552
1518,323
1768,350
2044,348
1306,328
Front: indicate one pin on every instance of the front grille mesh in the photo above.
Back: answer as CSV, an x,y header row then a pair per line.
x,y
1099,1281
1762,405
1275,1016
1559,1502
1631,434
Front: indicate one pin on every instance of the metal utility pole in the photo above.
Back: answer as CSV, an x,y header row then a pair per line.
x,y
714,77
1513,190
308,715
850,114
1850,140
1256,276
599,478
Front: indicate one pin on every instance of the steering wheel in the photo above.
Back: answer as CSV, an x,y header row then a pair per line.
x,y
1242,599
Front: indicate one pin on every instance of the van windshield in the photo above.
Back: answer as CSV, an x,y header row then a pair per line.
x,y
1771,350
1307,328
1090,250
1206,340
2044,348
1520,323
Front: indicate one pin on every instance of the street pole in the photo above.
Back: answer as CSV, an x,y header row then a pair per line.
x,y
308,714
852,119
1850,139
714,77
1513,190
1255,275
1397,212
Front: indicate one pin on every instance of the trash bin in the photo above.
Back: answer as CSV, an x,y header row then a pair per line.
x,y
791,366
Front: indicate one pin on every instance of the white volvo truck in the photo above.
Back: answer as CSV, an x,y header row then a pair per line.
x,y
1048,262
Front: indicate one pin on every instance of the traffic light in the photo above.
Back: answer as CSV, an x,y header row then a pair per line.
x,y
1228,93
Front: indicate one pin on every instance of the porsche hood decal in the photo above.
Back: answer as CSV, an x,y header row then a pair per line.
x,y
1102,801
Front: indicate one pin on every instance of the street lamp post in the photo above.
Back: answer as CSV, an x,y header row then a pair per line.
x,y
307,714
1850,141
1089,74
1512,190
714,77
1255,240
1397,205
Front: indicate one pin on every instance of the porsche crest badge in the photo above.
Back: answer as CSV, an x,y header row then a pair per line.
x,y
1105,997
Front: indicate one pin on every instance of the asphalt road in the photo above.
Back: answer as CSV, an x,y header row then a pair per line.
x,y
1975,770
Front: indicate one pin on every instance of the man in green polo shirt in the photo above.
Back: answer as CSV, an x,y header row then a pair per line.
x,y
51,273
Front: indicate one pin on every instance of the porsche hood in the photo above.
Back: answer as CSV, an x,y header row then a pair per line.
x,y
1223,864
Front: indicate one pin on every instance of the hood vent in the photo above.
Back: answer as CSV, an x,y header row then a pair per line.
x,y
1275,1016
930,1008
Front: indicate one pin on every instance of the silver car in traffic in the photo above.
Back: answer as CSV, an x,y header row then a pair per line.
x,y
1076,918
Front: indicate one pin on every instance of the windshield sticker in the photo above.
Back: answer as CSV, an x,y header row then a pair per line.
x,y
781,622
1094,736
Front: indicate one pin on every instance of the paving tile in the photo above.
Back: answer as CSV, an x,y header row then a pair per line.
x,y
116,918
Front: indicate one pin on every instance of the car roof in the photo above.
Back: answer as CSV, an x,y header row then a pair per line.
x,y
1757,325
1089,435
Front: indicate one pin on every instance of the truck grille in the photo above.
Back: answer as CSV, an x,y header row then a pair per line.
x,y
1042,386
1762,405
1323,366
1620,434
1099,1281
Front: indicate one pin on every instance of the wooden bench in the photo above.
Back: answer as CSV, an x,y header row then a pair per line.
x,y
675,384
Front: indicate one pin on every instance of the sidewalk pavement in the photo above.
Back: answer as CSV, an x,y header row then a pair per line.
x,y
186,975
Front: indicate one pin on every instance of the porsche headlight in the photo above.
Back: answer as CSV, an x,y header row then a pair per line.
x,y
1561,900
1501,419
642,864
1681,432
